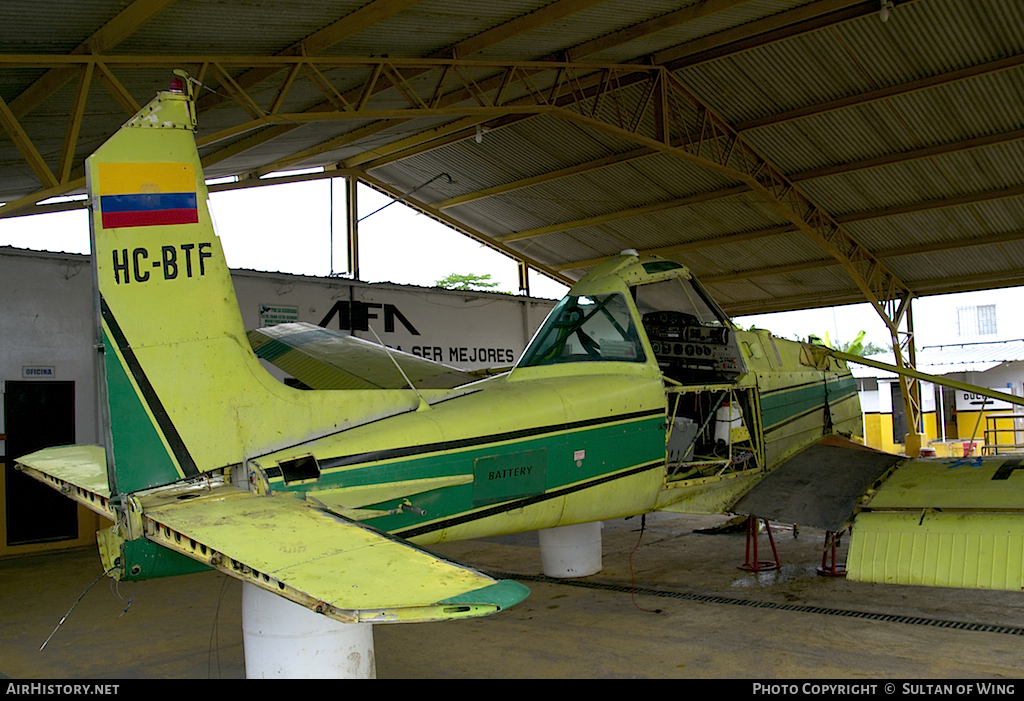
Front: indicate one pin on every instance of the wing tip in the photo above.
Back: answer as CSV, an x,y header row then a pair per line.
x,y
503,594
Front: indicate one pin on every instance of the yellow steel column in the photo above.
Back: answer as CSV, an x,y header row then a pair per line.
x,y
905,354
524,277
352,210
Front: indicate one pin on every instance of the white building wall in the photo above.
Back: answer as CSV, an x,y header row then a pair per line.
x,y
47,321
469,330
869,401
46,329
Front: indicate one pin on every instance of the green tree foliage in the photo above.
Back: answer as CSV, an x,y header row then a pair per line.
x,y
455,281
854,347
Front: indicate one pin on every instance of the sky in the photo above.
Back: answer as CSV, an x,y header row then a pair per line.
x,y
287,228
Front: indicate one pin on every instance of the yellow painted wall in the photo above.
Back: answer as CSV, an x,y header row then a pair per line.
x,y
873,429
878,431
969,425
88,523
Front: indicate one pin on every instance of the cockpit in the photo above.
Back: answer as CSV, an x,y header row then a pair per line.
x,y
583,328
690,335
646,310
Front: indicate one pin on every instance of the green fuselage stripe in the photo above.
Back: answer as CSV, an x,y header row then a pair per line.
x,y
520,503
570,456
494,438
782,406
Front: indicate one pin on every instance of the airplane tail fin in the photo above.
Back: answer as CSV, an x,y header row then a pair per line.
x,y
177,364
162,283
184,389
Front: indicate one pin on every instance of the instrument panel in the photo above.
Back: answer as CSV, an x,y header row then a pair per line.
x,y
680,342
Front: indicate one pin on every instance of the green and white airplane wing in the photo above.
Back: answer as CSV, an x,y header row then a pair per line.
x,y
325,359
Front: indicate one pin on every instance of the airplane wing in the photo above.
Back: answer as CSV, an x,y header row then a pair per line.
x,y
294,548
821,486
953,522
325,359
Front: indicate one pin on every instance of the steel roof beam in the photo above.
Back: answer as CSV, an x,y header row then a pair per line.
x,y
649,27
813,300
626,213
885,93
720,148
911,155
502,32
929,205
522,183
577,53
939,246
774,28
119,28
25,147
536,20
685,247
320,40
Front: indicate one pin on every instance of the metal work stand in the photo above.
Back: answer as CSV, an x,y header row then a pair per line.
x,y
829,566
753,564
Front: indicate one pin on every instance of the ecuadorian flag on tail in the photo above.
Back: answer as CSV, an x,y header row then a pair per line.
x,y
147,194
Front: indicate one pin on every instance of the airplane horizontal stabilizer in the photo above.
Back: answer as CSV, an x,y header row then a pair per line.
x,y
326,359
77,471
953,522
330,564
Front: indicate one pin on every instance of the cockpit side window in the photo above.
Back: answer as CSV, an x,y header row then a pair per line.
x,y
590,328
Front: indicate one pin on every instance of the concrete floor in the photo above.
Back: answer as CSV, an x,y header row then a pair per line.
x,y
190,627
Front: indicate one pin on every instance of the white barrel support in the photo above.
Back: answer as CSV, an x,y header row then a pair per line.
x,y
283,640
571,551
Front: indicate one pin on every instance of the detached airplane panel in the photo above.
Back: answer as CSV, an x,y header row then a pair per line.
x,y
819,486
993,482
951,522
331,564
975,549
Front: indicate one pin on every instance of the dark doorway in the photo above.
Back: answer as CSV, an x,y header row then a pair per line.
x,y
37,415
945,409
899,413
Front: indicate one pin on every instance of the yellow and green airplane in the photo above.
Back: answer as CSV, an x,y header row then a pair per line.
x,y
637,394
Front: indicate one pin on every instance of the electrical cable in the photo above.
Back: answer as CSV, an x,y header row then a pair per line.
x,y
632,577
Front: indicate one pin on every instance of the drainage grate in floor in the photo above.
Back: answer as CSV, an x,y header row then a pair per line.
x,y
712,599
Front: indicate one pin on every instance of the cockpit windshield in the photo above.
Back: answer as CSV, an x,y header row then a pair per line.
x,y
679,295
586,329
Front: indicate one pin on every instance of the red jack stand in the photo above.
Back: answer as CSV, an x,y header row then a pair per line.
x,y
829,566
755,565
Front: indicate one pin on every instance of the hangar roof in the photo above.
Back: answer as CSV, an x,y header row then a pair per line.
x,y
792,153
951,358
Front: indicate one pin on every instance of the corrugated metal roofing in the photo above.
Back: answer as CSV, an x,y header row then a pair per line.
x,y
907,133
952,358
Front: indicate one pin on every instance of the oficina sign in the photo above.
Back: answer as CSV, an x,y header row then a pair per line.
x,y
38,372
